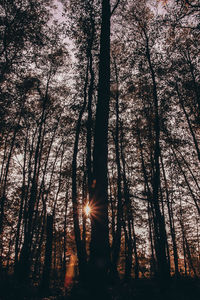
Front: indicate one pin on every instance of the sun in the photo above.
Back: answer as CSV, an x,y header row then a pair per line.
x,y
87,209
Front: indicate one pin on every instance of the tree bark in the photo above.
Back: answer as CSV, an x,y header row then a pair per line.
x,y
79,245
99,246
172,229
163,269
45,284
117,237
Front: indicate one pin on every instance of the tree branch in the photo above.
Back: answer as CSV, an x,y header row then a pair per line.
x,y
115,6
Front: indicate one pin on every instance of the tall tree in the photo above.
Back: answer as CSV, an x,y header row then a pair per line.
x,y
99,246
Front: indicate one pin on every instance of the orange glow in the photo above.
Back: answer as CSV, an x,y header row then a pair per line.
x,y
69,275
164,2
87,210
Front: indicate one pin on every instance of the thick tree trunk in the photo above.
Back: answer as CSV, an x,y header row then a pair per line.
x,y
99,246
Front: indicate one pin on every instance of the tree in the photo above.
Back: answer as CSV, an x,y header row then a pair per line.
x,y
99,247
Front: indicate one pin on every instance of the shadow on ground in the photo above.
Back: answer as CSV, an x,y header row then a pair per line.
x,y
142,289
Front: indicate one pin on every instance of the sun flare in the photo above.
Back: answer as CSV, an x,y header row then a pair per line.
x,y
87,210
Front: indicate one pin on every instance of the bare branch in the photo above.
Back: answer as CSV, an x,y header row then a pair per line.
x,y
115,6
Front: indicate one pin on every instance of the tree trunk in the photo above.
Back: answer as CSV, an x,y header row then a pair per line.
x,y
45,284
79,245
163,268
189,123
172,229
187,183
26,253
99,246
65,229
117,237
89,109
20,209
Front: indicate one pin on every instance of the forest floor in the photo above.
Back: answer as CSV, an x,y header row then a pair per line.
x,y
142,289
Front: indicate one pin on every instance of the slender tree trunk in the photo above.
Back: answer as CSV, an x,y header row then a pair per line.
x,y
132,241
153,269
167,244
188,167
117,237
65,229
189,123
3,192
190,261
187,182
45,284
20,209
84,200
136,267
172,229
89,109
153,230
163,268
112,209
195,83
38,248
128,253
26,253
79,245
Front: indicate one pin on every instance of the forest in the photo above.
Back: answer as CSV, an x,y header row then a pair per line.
x,y
99,149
